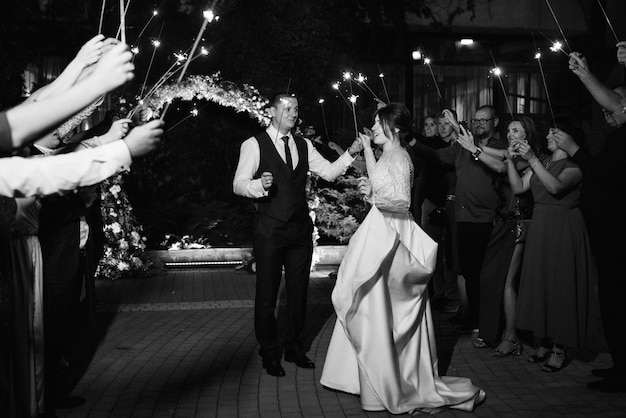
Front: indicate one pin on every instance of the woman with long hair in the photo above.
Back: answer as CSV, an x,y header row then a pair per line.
x,y
383,345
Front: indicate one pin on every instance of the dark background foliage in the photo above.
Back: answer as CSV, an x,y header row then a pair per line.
x,y
186,186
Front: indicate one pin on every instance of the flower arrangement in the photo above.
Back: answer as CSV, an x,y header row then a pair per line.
x,y
338,207
124,245
212,88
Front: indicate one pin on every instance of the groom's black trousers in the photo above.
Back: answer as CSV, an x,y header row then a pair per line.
x,y
278,244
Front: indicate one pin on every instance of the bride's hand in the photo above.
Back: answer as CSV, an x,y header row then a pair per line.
x,y
366,140
364,187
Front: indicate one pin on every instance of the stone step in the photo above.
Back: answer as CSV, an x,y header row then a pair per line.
x,y
327,255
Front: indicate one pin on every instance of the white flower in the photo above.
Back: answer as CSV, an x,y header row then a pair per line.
x,y
123,244
135,237
116,228
115,189
123,266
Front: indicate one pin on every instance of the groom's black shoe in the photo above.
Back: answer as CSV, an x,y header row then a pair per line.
x,y
273,368
300,360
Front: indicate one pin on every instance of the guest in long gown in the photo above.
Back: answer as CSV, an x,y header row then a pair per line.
x,y
383,345
553,293
28,339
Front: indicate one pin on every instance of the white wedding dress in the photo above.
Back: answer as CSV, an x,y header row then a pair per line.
x,y
383,345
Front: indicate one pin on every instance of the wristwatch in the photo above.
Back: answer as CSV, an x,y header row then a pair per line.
x,y
476,153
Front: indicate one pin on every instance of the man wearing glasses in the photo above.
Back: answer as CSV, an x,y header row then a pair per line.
x,y
475,200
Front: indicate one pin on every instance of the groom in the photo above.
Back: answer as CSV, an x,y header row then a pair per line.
x,y
272,170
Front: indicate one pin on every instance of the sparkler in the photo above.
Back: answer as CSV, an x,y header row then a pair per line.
x,y
608,22
353,102
498,73
427,62
154,14
558,24
360,80
348,76
545,86
156,44
180,57
208,17
193,113
101,16
123,21
321,102
336,87
382,80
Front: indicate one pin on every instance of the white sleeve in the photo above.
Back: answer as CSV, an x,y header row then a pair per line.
x,y
244,183
324,168
21,177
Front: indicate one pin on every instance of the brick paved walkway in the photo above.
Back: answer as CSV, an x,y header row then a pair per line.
x,y
182,345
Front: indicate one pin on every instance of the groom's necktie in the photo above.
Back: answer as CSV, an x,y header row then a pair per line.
x,y
287,152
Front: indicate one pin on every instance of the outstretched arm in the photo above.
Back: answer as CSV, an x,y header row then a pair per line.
x,y
30,120
466,140
61,173
88,55
605,97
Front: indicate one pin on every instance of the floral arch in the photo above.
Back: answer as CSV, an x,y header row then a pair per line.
x,y
212,88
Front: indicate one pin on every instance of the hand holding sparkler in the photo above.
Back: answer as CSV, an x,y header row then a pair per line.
x,y
525,151
564,141
76,70
90,52
513,148
357,145
145,138
578,64
114,68
365,141
621,52
118,129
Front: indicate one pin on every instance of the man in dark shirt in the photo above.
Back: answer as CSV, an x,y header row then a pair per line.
x,y
476,201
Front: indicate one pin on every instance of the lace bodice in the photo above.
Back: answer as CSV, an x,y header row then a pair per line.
x,y
391,177
64,132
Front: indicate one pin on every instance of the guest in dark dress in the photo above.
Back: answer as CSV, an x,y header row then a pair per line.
x,y
553,294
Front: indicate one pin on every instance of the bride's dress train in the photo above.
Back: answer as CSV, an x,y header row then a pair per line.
x,y
383,345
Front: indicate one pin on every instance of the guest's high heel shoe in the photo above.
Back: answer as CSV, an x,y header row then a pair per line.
x,y
555,362
507,347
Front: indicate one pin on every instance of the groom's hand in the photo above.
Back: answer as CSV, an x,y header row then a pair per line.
x,y
267,179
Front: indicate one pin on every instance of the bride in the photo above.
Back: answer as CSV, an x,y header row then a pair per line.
x,y
383,345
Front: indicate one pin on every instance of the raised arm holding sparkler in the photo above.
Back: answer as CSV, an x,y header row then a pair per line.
x,y
605,97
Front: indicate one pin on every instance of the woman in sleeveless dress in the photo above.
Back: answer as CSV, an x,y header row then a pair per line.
x,y
383,345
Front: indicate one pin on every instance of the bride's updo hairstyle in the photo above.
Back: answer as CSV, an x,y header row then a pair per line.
x,y
396,116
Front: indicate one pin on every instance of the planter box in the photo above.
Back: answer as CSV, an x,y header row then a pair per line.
x,y
328,255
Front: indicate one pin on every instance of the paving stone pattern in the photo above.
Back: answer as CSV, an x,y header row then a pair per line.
x,y
182,344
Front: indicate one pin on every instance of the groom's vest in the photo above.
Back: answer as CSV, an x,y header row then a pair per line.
x,y
286,199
